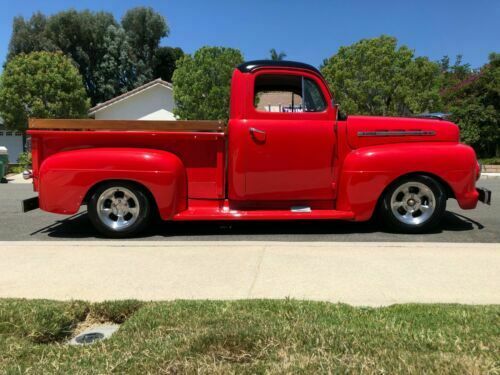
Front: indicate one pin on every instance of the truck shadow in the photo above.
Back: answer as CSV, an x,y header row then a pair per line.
x,y
79,227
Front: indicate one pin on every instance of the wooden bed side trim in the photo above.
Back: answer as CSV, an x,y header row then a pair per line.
x,y
180,125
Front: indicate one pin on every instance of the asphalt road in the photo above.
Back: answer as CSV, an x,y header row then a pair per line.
x,y
479,225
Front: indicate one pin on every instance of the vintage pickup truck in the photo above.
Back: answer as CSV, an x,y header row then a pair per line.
x,y
284,154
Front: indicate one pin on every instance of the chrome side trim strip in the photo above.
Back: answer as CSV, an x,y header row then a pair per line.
x,y
395,133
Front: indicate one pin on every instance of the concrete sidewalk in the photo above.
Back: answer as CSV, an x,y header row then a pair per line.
x,y
355,273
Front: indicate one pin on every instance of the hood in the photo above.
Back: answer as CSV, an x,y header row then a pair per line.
x,y
365,131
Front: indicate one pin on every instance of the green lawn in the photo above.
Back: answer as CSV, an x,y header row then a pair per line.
x,y
251,337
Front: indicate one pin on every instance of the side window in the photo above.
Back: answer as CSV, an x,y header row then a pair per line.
x,y
287,93
313,98
278,93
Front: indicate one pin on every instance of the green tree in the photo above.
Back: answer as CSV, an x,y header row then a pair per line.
x,y
97,44
202,83
451,75
29,36
81,35
145,28
117,73
474,104
277,56
164,62
41,84
376,77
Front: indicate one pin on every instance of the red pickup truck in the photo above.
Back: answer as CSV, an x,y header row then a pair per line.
x,y
284,155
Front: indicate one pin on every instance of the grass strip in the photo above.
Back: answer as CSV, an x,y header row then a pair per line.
x,y
256,336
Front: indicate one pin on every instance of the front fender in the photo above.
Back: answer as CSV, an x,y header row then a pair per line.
x,y
367,171
66,177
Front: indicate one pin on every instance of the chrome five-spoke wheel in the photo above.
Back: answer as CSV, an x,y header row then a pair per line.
x,y
119,208
413,204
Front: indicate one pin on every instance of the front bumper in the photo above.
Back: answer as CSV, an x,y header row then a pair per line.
x,y
484,195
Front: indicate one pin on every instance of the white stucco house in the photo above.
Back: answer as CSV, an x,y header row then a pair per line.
x,y
151,101
12,140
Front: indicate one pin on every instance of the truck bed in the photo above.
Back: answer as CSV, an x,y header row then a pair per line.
x,y
200,145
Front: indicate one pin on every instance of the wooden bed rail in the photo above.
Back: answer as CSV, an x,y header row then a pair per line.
x,y
130,125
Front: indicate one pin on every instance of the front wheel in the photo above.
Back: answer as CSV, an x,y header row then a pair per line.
x,y
414,204
119,209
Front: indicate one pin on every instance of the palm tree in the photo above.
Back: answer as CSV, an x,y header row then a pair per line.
x,y
275,56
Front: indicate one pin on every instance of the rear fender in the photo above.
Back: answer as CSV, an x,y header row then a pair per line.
x,y
368,171
66,177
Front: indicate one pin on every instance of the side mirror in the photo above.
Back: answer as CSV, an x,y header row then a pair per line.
x,y
341,115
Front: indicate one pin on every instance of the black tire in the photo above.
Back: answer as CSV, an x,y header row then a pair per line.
x,y
136,222
400,221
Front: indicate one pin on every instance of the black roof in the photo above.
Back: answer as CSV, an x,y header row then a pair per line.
x,y
250,66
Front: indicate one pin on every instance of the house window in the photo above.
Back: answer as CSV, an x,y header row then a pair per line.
x,y
19,134
1,134
8,134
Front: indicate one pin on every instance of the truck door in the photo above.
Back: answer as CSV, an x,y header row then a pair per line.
x,y
289,139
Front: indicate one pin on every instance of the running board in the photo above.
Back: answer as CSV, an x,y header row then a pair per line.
x,y
216,213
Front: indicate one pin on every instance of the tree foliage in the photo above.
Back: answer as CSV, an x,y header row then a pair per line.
x,y
202,83
111,57
41,84
452,75
117,70
81,35
376,77
29,35
144,28
164,62
276,56
474,103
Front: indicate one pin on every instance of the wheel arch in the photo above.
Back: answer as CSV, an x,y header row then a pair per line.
x,y
66,178
384,210
439,179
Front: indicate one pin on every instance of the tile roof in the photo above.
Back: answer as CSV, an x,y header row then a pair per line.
x,y
135,91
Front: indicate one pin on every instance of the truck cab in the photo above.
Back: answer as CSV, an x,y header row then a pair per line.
x,y
282,137
284,154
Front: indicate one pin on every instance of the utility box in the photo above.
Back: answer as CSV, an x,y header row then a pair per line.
x,y
4,162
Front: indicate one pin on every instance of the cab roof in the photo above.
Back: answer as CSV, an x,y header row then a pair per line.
x,y
250,66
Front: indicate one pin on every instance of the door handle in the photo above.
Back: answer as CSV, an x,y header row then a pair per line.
x,y
255,130
258,135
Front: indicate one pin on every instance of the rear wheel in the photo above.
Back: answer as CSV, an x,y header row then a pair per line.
x,y
414,204
119,209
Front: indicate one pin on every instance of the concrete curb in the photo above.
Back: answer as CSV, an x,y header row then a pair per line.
x,y
489,175
232,244
17,179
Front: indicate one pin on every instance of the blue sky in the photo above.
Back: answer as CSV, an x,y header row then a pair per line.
x,y
307,30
